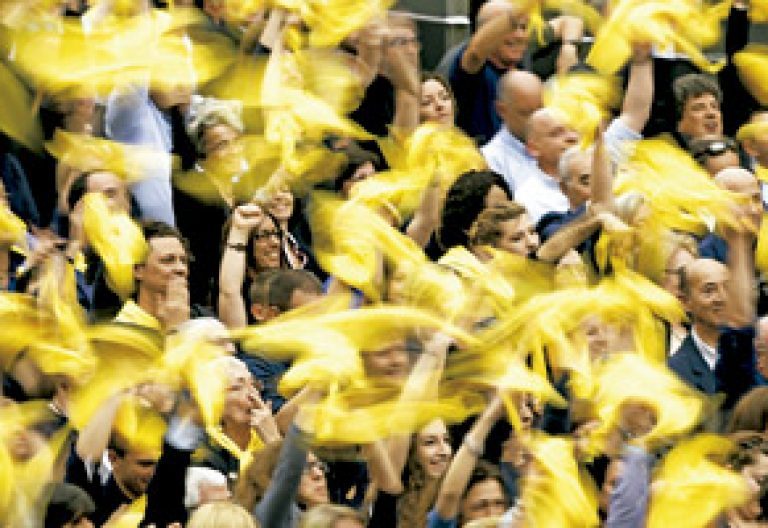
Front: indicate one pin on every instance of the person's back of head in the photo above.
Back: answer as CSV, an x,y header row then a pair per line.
x,y
199,483
466,199
67,505
289,289
751,412
222,515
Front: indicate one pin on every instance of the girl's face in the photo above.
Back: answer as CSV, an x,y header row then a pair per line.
x,y
433,449
436,103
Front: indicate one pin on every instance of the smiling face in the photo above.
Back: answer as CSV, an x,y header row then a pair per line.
x,y
706,295
241,396
512,45
433,449
266,245
281,206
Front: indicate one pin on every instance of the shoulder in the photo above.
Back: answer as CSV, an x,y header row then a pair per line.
x,y
682,358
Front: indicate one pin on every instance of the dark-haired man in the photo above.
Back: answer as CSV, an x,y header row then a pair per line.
x,y
162,294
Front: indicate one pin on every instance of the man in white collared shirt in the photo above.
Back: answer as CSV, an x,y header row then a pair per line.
x,y
506,154
547,137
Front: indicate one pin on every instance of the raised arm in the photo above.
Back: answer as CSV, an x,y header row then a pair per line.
x,y
638,97
488,36
572,235
427,216
421,384
232,310
382,472
601,184
741,286
456,479
569,30
401,66
736,370
94,437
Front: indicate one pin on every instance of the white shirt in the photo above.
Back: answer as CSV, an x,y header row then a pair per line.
x,y
541,194
508,156
708,353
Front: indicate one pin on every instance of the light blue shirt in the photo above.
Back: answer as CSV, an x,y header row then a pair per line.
x,y
132,117
508,156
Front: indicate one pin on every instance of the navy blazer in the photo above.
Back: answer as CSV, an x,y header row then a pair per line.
x,y
735,373
691,367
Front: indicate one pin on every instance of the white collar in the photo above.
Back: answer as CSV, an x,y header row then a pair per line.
x,y
708,353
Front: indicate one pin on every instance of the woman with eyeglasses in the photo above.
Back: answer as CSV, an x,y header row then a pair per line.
x,y
286,478
253,245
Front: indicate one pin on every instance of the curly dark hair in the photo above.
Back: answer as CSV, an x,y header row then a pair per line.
x,y
464,203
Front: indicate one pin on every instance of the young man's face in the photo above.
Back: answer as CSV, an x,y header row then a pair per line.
x,y
134,470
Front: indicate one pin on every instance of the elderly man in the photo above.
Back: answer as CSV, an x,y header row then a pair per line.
x,y
548,136
718,354
498,46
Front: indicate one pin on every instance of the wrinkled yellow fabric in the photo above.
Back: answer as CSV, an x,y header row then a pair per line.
x,y
120,52
685,25
751,63
431,153
678,193
17,119
117,239
558,493
88,154
628,378
584,100
688,477
12,228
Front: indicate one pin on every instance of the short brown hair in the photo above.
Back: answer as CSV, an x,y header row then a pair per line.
x,y
486,230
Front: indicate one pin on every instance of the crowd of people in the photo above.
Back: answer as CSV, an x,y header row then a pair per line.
x,y
257,268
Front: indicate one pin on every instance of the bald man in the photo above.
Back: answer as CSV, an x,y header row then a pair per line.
x,y
548,135
704,286
498,45
519,97
718,354
755,144
740,181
